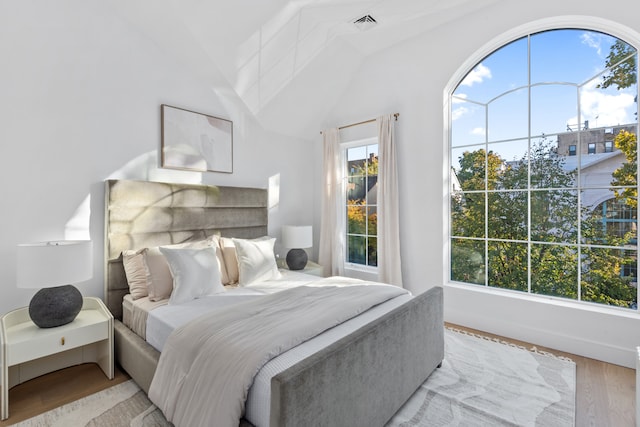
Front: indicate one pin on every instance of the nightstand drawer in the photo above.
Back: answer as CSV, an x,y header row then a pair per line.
x,y
54,340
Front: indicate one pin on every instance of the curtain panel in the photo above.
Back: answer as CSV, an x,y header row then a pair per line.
x,y
389,263
332,232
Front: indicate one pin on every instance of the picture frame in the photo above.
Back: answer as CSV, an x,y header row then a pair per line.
x,y
195,142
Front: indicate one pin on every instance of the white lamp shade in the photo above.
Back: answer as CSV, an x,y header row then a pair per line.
x,y
49,264
297,236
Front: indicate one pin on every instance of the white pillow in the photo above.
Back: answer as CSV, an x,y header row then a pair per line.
x,y
195,272
161,282
256,260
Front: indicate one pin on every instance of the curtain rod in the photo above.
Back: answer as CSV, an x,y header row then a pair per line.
x,y
396,115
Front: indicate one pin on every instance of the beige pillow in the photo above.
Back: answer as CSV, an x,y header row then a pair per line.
x,y
230,260
135,268
161,284
224,275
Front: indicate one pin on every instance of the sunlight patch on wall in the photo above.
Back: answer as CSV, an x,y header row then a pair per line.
x,y
274,191
77,228
146,167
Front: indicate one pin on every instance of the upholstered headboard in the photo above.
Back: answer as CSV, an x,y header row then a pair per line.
x,y
141,214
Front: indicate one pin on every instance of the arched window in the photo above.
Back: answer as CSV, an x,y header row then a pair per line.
x,y
542,130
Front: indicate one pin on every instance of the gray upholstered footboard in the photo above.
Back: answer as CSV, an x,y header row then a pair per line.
x,y
363,379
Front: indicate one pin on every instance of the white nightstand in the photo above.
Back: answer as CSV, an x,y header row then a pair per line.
x,y
313,268
310,268
29,351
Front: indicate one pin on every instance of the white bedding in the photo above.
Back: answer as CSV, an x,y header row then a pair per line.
x,y
163,320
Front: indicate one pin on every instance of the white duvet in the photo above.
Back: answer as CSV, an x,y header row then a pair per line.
x,y
208,365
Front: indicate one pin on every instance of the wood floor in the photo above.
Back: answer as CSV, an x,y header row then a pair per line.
x,y
605,392
49,391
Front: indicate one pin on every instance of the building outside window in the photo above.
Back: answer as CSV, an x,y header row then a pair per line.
x,y
361,191
618,219
537,208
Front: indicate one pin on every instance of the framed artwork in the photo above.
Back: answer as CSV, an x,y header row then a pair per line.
x,y
196,142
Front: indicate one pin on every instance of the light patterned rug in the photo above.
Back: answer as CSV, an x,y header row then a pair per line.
x,y
482,382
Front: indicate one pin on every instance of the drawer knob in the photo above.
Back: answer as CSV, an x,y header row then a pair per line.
x,y
62,341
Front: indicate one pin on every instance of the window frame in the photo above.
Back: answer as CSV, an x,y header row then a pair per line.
x,y
344,147
555,23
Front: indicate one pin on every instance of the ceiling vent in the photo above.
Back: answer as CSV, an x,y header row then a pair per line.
x,y
365,23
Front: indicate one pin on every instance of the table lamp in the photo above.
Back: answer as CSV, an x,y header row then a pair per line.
x,y
53,266
297,237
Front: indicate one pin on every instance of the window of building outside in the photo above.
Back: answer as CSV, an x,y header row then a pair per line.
x,y
608,146
543,147
361,196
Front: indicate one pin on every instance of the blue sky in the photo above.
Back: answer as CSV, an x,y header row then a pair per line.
x,y
566,64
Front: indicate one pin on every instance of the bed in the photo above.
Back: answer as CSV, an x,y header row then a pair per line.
x,y
361,378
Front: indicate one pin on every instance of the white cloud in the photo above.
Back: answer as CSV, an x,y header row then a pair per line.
x,y
457,99
593,40
458,112
605,108
478,131
477,75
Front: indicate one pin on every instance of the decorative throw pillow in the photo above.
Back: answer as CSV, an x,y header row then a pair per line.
x,y
256,260
135,268
224,276
161,284
196,273
230,259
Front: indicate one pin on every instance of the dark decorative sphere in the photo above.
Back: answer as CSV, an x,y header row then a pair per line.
x,y
51,307
297,259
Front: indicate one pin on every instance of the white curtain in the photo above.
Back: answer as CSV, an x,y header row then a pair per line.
x,y
331,247
389,265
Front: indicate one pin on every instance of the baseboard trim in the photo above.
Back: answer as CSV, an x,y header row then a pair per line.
x,y
596,334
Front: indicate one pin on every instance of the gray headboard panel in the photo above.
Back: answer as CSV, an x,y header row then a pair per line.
x,y
141,214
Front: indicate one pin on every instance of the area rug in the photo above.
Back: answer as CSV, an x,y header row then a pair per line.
x,y
485,382
482,382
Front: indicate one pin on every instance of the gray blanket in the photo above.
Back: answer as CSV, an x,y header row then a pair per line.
x,y
208,365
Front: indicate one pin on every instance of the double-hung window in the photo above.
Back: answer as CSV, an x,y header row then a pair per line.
x,y
360,197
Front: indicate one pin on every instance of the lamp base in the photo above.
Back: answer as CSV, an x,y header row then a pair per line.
x,y
57,306
297,259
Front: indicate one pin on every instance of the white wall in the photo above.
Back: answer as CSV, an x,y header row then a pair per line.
x,y
80,95
80,90
410,79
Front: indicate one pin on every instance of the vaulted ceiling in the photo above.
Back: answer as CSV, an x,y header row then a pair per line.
x,y
287,61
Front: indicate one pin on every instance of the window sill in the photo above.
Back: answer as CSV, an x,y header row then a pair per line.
x,y
361,268
545,299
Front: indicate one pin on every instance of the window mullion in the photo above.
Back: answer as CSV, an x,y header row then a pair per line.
x,y
529,246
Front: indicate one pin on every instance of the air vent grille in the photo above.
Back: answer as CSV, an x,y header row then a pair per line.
x,y
365,22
